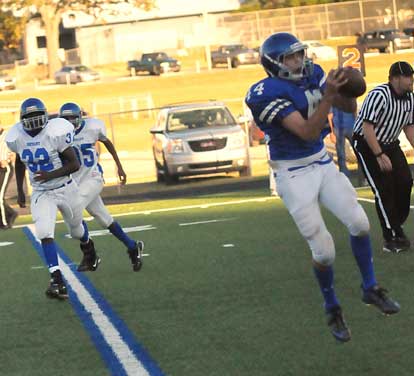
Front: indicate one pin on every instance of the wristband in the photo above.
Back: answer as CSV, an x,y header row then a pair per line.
x,y
379,154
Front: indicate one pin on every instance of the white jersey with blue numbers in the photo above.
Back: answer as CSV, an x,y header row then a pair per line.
x,y
89,132
272,99
41,152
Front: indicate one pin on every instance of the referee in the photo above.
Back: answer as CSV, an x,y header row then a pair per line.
x,y
385,112
7,214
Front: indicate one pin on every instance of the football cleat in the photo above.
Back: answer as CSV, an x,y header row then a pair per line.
x,y
338,325
394,245
135,255
377,296
90,260
57,288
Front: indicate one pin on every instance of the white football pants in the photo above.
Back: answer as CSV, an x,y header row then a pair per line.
x,y
45,205
90,190
304,184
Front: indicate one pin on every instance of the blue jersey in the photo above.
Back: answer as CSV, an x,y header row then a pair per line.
x,y
272,99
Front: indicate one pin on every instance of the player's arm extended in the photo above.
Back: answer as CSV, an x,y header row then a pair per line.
x,y
310,129
70,164
20,170
111,148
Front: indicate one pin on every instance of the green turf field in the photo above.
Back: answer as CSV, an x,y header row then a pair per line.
x,y
226,289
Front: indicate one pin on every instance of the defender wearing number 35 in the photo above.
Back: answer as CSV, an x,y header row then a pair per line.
x,y
291,106
44,147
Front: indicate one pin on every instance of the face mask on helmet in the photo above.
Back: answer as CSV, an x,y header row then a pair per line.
x,y
33,114
72,113
276,48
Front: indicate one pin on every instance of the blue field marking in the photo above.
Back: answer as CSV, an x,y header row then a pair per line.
x,y
112,361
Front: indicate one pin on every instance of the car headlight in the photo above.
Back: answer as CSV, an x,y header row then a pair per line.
x,y
175,146
165,64
237,141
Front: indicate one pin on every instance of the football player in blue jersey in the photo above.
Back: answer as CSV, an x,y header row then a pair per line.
x,y
291,106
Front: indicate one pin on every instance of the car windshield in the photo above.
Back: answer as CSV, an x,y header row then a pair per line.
x,y
236,47
315,44
82,68
199,118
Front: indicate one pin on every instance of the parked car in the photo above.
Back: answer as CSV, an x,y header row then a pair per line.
x,y
154,63
7,82
198,138
237,54
319,51
409,31
75,73
386,40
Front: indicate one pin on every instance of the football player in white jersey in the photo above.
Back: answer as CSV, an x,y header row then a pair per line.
x,y
44,147
88,131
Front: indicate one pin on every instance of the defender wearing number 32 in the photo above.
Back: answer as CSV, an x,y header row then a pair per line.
x,y
291,106
44,147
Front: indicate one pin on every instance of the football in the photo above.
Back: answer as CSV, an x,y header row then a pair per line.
x,y
355,86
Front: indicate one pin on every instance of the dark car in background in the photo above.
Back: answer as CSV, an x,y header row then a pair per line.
x,y
409,31
235,54
386,40
196,139
73,74
154,63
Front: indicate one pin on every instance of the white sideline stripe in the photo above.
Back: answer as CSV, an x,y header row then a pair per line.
x,y
121,350
188,207
203,222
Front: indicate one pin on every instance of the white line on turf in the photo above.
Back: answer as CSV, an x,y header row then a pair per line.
x,y
187,207
203,222
3,244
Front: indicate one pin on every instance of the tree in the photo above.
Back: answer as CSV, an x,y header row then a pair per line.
x,y
51,13
11,31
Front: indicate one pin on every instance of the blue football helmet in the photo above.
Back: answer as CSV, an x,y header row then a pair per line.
x,y
273,51
33,114
71,112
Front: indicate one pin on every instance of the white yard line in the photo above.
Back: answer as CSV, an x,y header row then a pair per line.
x,y
208,221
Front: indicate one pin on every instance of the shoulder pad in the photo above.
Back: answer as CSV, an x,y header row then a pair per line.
x,y
58,127
14,132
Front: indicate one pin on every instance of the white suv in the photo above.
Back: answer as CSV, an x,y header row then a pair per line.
x,y
198,138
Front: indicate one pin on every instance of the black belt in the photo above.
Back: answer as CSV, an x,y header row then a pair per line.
x,y
61,186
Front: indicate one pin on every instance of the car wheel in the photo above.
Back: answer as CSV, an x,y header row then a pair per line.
x,y
156,71
235,63
158,170
168,178
244,172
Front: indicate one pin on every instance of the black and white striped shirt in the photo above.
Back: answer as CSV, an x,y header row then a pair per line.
x,y
388,113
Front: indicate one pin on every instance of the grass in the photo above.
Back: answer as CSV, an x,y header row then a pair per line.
x,y
203,309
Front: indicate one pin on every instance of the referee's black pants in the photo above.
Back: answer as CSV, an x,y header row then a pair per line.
x,y
392,189
7,213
